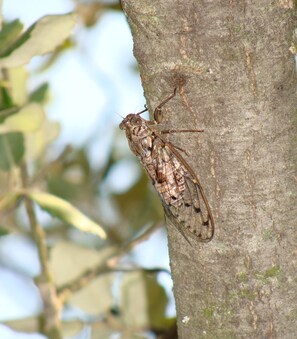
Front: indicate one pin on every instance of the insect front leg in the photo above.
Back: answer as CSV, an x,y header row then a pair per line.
x,y
158,110
144,110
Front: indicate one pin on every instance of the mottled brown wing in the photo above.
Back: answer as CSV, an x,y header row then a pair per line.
x,y
185,204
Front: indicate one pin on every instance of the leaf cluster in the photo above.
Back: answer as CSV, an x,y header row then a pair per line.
x,y
70,190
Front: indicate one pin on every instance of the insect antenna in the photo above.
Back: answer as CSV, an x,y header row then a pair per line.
x,y
119,115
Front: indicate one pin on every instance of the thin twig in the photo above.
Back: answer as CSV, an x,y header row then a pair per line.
x,y
52,305
66,290
108,266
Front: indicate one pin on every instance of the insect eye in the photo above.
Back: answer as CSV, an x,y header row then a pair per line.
x,y
137,120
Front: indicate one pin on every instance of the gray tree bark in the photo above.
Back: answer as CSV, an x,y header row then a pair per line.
x,y
237,81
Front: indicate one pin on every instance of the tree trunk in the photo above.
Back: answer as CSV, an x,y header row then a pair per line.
x,y
237,81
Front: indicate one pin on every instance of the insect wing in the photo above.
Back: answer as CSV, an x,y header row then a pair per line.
x,y
190,212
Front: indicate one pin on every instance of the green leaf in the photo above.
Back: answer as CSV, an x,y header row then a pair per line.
x,y
9,33
144,301
38,141
28,119
64,211
3,231
11,149
17,43
96,296
5,113
40,94
8,200
6,100
18,82
41,38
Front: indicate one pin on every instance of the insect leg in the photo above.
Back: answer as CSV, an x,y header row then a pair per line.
x,y
179,148
168,131
145,109
158,109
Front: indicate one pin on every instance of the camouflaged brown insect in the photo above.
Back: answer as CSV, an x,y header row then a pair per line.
x,y
182,195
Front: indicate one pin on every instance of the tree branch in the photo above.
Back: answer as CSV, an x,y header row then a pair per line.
x,y
51,303
66,290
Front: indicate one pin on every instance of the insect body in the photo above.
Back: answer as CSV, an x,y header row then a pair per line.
x,y
182,196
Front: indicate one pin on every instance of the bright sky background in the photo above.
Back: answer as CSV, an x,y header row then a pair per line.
x,y
92,85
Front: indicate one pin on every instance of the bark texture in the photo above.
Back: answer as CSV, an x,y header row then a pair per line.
x,y
237,80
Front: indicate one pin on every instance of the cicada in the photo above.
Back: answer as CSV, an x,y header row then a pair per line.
x,y
181,193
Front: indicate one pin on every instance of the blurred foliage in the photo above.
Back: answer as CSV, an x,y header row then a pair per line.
x,y
73,193
90,12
